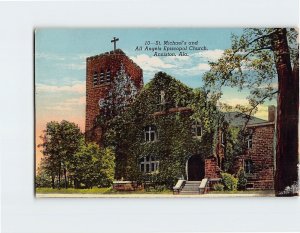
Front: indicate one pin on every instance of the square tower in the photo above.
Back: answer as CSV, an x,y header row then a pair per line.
x,y
112,82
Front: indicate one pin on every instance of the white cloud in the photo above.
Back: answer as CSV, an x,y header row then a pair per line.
x,y
49,56
195,70
262,112
177,58
75,66
210,55
73,62
78,87
53,56
80,56
68,104
148,63
273,85
203,67
234,101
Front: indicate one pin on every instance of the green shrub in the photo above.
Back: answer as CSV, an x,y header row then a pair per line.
x,y
229,182
42,180
242,180
218,187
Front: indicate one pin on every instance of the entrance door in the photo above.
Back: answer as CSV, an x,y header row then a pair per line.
x,y
196,170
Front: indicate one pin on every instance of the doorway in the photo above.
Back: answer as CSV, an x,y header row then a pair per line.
x,y
196,168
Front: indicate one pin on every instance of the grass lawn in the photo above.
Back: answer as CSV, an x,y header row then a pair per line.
x,y
262,192
98,191
111,191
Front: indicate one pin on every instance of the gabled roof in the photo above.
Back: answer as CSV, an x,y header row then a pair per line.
x,y
239,119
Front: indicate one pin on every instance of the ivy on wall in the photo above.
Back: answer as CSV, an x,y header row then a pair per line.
x,y
175,141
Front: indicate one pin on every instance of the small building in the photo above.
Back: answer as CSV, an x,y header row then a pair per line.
x,y
258,160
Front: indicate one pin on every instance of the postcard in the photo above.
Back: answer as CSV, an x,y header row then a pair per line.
x,y
166,112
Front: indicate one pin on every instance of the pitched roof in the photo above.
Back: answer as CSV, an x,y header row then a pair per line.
x,y
239,119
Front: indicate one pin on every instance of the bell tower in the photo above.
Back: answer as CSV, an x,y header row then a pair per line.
x,y
112,82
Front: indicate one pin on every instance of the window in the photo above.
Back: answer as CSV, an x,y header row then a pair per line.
x,y
148,164
249,139
101,77
197,129
162,101
223,138
108,79
248,166
150,133
95,78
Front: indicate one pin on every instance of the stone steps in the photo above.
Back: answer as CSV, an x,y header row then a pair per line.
x,y
191,187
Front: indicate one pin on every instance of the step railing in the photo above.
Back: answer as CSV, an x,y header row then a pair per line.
x,y
179,186
203,186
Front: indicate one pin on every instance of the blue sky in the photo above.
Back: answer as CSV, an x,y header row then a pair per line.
x,y
61,53
60,64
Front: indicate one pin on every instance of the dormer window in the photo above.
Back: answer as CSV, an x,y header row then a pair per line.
x,y
197,129
102,77
95,78
149,164
150,133
108,78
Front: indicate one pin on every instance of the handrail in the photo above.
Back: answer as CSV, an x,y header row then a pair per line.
x,y
202,186
179,186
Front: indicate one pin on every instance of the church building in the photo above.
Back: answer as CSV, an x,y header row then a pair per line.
x,y
167,134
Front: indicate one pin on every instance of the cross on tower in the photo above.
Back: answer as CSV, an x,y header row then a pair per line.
x,y
115,42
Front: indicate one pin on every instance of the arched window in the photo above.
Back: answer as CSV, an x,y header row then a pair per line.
x,y
248,166
148,164
95,78
197,129
102,77
150,133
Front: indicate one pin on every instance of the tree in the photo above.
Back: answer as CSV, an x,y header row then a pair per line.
x,y
105,168
242,180
60,142
93,166
122,93
43,179
257,59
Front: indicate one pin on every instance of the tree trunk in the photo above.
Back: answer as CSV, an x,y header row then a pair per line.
x,y
76,183
59,171
65,175
52,181
287,116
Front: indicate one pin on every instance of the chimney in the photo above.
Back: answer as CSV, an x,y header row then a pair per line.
x,y
271,113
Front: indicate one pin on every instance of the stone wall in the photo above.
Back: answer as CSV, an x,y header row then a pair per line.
x,y
262,156
212,169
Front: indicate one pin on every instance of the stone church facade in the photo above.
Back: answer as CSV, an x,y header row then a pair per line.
x,y
106,71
